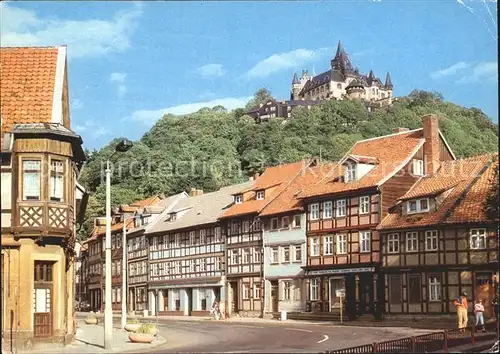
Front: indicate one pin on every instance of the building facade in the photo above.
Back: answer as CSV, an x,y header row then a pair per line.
x,y
345,207
187,255
275,109
40,160
342,81
438,242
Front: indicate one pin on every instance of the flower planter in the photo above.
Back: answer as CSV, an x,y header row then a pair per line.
x,y
132,327
91,320
141,337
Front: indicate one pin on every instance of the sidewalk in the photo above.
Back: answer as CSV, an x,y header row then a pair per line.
x,y
90,339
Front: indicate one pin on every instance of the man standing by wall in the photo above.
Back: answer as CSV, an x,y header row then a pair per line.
x,y
462,306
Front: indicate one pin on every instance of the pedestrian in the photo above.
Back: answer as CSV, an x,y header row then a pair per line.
x,y
462,306
478,312
216,309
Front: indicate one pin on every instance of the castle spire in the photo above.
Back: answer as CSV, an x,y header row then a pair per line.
x,y
340,49
388,82
295,79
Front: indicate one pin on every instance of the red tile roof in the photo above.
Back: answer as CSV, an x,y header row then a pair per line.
x,y
276,176
28,77
391,153
471,181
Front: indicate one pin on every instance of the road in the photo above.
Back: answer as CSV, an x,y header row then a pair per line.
x,y
279,337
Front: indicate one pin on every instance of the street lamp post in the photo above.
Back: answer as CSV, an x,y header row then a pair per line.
x,y
124,271
122,146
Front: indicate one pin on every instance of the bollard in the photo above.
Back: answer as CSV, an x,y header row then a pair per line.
x,y
375,347
445,341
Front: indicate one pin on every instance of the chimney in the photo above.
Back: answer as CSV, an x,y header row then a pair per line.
x,y
192,193
250,178
256,175
431,145
399,130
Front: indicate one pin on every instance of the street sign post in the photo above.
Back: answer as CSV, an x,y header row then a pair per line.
x,y
341,294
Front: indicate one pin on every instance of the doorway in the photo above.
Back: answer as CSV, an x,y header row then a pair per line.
x,y
189,293
485,291
234,298
365,293
335,284
274,296
42,295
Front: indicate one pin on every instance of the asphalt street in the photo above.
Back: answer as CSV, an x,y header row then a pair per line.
x,y
282,337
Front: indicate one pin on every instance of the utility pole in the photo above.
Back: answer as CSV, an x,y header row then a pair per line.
x,y
108,310
124,274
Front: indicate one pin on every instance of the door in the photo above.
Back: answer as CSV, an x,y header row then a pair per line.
x,y
234,298
485,291
365,293
189,293
335,284
274,296
42,299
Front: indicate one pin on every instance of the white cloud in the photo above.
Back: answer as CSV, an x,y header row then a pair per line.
x,y
284,61
151,116
211,70
75,103
84,38
119,78
484,71
452,70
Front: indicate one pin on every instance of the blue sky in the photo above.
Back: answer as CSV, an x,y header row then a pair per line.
x,y
131,62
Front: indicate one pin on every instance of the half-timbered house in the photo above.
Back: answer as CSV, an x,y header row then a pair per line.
x,y
437,241
187,254
345,207
40,160
243,229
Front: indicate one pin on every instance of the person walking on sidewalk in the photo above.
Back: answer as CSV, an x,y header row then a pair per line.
x,y
478,312
462,306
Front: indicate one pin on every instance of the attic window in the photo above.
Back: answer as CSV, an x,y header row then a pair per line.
x,y
238,199
350,172
259,195
418,206
172,217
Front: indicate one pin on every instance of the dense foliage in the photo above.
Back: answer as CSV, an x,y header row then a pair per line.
x,y
213,147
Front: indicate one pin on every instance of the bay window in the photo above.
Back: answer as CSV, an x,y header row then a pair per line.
x,y
31,179
56,180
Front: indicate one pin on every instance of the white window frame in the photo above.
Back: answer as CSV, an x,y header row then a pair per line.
x,y
418,167
393,243
238,199
431,240
274,224
297,248
341,206
477,235
434,288
299,218
327,210
313,289
365,241
256,290
259,195
341,244
286,249
234,257
56,180
364,205
32,185
283,222
245,256
412,240
314,211
246,291
328,245
350,172
287,290
418,206
314,246
275,255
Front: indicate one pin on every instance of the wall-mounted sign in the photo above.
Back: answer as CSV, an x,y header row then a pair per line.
x,y
341,271
340,292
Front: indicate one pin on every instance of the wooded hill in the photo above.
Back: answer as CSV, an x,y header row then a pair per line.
x,y
215,147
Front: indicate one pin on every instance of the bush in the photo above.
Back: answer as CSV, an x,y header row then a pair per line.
x,y
133,321
147,328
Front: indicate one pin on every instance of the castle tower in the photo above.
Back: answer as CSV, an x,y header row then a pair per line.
x,y
295,88
355,90
388,86
341,62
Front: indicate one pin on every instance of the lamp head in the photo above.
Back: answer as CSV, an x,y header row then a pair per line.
x,y
124,145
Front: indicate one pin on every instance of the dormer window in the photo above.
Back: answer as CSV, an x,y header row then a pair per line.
x,y
418,167
259,195
172,216
238,199
350,172
418,206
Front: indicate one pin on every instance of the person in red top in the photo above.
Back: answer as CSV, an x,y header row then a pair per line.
x,y
462,306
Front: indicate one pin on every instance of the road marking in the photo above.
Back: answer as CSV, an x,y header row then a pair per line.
x,y
324,339
248,326
299,329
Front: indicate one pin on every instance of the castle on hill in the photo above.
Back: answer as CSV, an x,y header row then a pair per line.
x,y
343,81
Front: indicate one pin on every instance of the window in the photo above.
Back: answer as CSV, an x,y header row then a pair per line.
x,y
246,255
274,224
56,180
350,172
238,199
286,254
364,205
341,244
259,195
256,290
393,243
339,86
256,255
234,257
434,288
395,289
285,222
328,240
246,291
314,246
297,255
418,206
327,210
246,226
296,220
31,180
431,240
314,289
411,242
365,241
314,211
217,234
275,255
340,211
414,289
286,290
418,167
203,264
477,239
